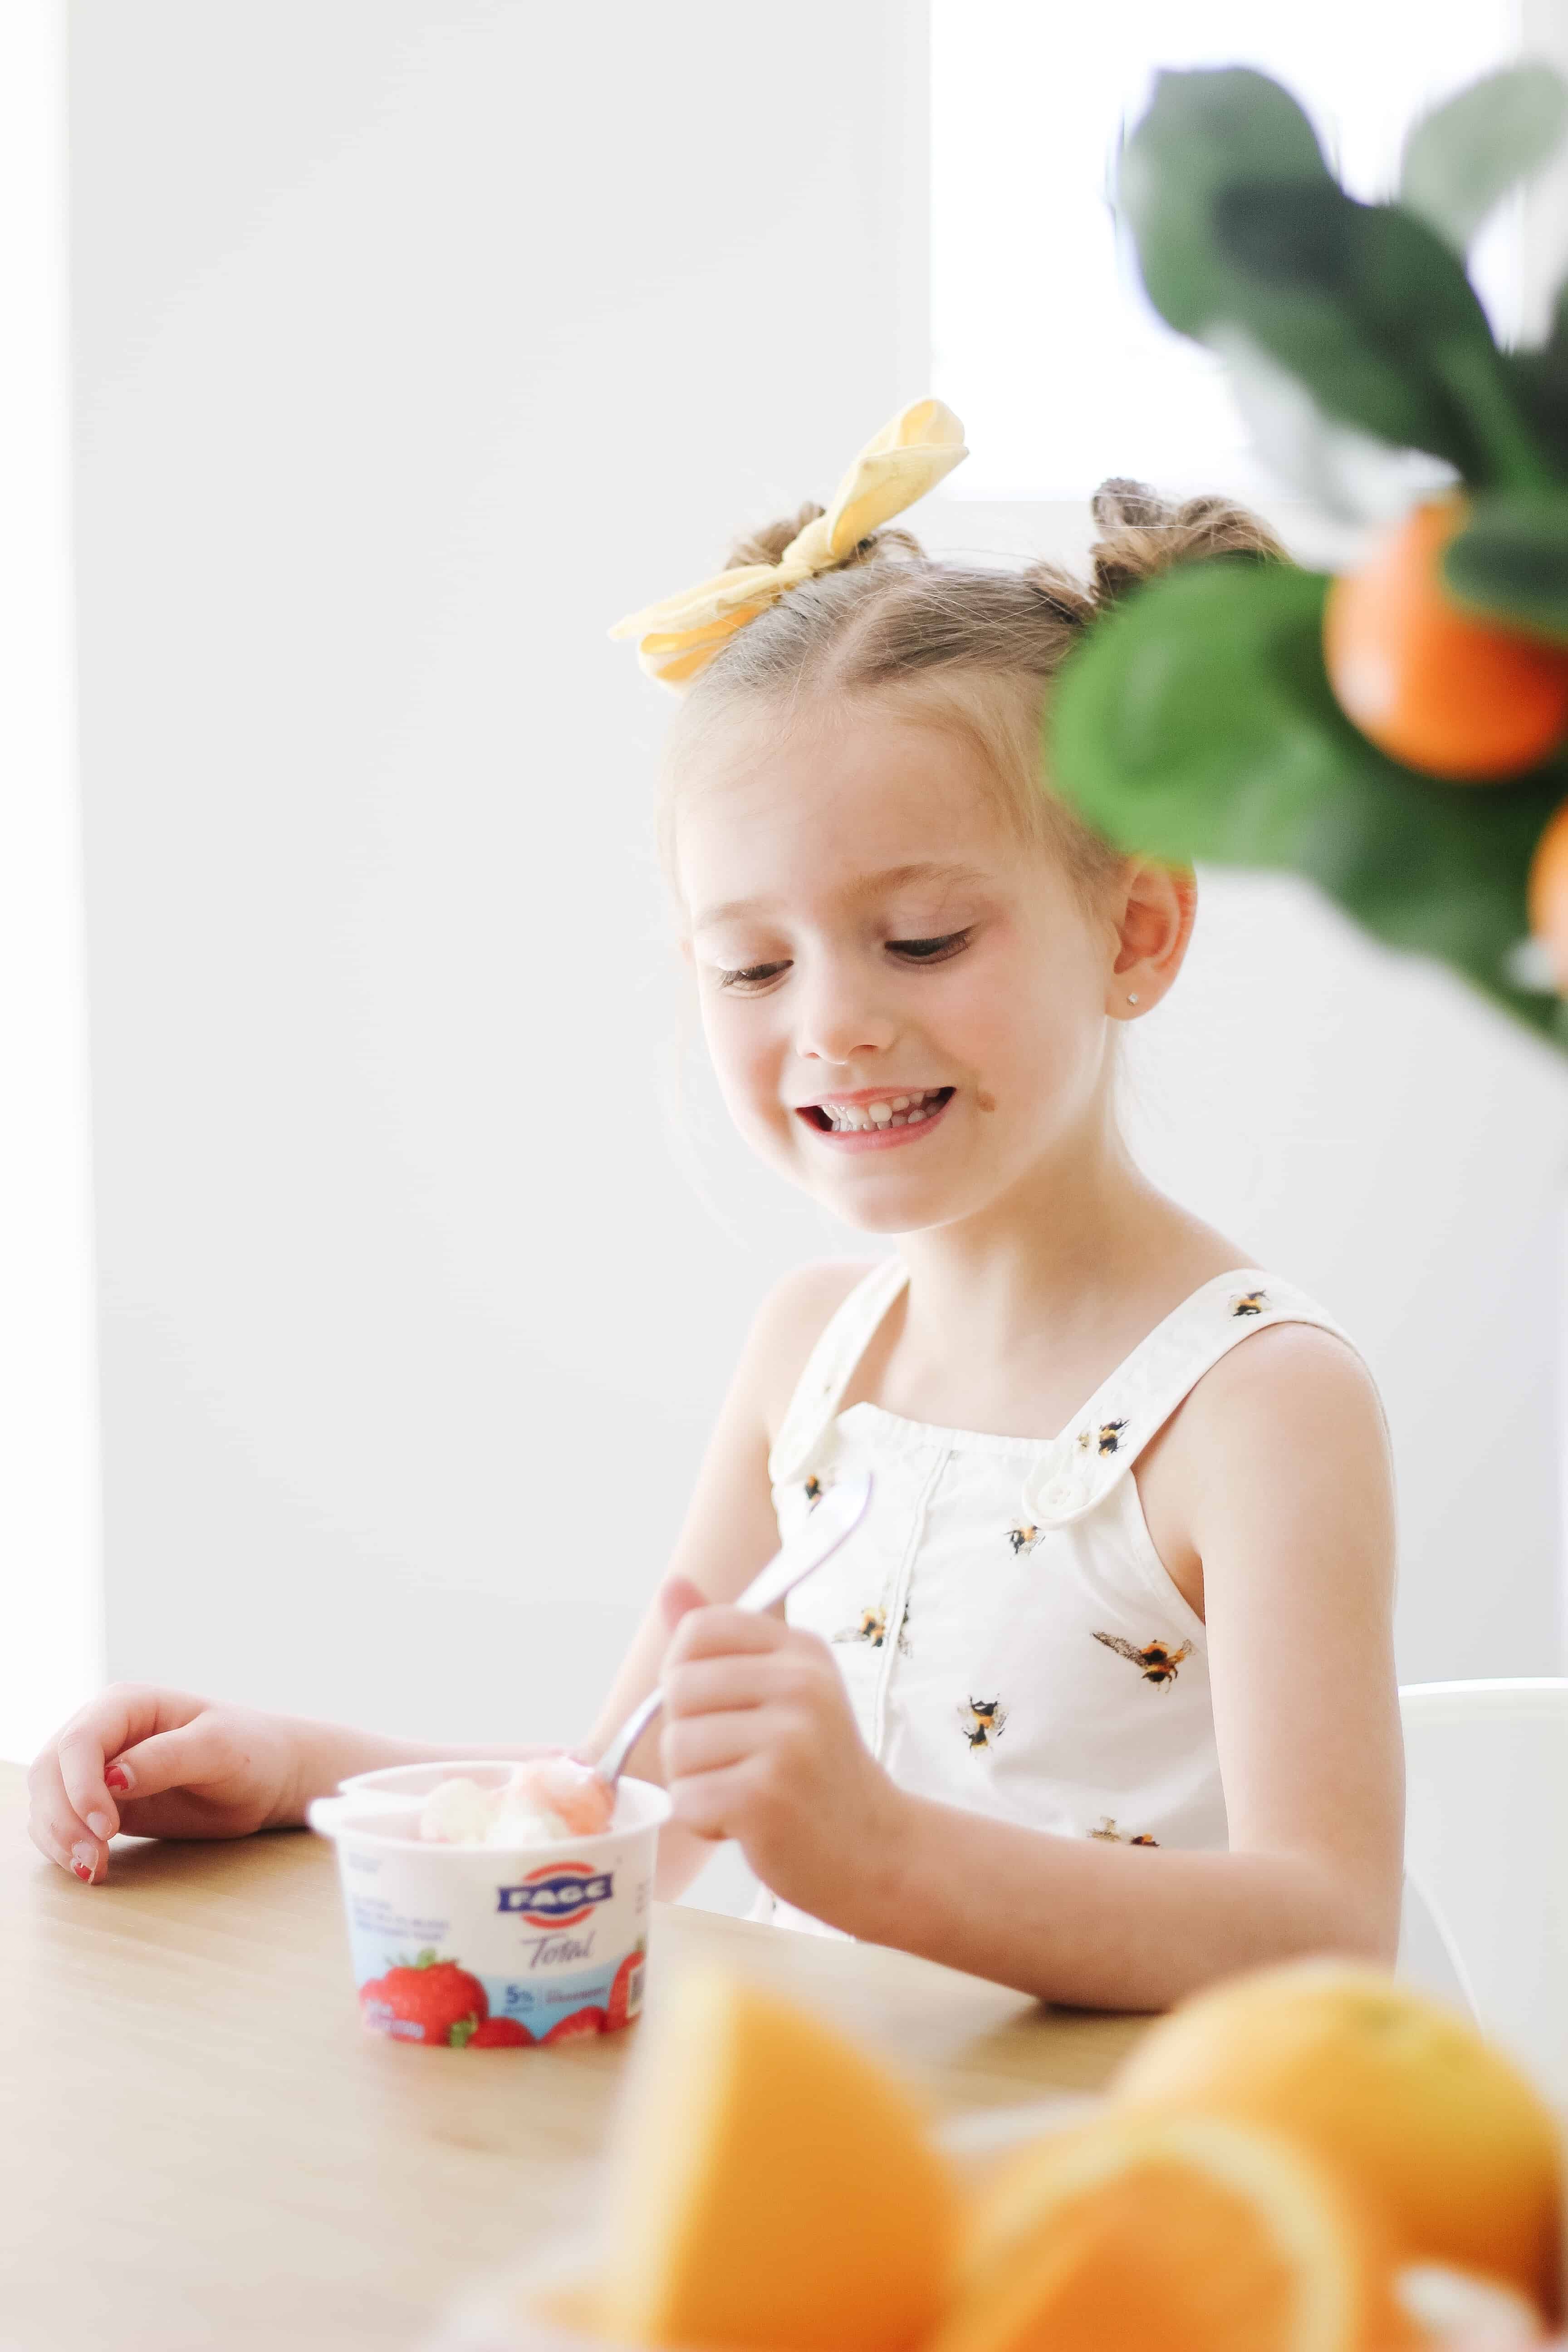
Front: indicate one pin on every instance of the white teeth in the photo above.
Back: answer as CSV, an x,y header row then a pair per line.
x,y
890,1110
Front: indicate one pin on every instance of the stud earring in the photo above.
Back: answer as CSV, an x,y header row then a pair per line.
x,y
1132,1000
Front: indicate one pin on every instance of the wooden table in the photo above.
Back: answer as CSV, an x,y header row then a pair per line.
x,y
202,2147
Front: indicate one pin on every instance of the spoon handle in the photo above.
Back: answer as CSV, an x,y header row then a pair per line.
x,y
840,1511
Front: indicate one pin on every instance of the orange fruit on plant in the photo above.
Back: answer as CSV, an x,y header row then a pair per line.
x,y
1548,896
1430,682
772,2190
1188,2231
1417,2113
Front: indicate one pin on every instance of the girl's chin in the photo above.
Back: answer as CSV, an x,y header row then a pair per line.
x,y
891,1202
862,1218
873,1181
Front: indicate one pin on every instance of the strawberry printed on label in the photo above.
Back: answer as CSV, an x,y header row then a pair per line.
x,y
497,2033
581,2022
426,1999
625,1993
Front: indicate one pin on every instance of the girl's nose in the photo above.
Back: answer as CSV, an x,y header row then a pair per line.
x,y
836,1025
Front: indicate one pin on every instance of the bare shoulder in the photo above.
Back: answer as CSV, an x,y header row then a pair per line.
x,y
1295,1378
1290,1413
1279,1453
788,1325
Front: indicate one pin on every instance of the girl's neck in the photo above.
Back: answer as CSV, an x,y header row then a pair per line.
x,y
1083,1245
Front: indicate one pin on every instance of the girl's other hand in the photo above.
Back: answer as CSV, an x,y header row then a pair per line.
x,y
760,1744
159,1763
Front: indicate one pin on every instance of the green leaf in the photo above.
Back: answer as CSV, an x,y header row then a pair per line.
x,y
1332,465
1378,319
1202,131
1238,224
1512,561
1539,379
1464,157
1196,723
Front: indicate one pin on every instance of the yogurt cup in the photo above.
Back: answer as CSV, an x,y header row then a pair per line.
x,y
491,1947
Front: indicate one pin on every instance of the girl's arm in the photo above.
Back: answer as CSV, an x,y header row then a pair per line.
x,y
168,1764
1278,1460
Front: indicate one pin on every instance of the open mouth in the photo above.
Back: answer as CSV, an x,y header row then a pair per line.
x,y
878,1114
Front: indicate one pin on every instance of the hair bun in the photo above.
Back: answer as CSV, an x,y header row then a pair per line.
x,y
1142,534
1062,594
767,544
1121,504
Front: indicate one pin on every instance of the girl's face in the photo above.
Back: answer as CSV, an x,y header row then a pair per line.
x,y
906,1007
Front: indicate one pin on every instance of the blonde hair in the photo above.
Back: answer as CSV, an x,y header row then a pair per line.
x,y
968,648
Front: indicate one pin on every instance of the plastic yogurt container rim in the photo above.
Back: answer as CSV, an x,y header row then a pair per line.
x,y
356,1809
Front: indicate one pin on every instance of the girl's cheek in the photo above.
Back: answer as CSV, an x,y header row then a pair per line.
x,y
719,1034
745,1057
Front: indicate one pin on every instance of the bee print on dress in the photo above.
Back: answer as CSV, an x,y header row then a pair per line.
x,y
1249,1302
1109,1834
872,1629
1107,1439
1156,1661
984,1721
814,1486
1023,1538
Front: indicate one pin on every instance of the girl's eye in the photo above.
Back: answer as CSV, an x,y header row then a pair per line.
x,y
952,943
752,977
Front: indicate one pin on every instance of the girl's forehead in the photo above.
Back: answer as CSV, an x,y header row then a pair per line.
x,y
843,803
846,889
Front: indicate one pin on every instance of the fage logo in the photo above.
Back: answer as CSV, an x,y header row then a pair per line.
x,y
559,1893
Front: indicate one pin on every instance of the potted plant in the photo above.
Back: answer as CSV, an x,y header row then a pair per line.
x,y
1397,735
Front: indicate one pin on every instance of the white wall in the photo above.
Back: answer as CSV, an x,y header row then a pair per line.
x,y
50,1630
415,341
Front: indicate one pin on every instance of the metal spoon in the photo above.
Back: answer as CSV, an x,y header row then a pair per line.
x,y
840,1511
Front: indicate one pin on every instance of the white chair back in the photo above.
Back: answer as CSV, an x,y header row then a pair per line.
x,y
1486,1848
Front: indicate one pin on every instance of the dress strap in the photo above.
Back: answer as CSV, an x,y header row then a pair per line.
x,y
829,1369
1079,1468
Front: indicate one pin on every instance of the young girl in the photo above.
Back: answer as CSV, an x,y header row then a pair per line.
x,y
1098,1699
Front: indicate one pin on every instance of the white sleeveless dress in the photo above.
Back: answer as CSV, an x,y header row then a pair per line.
x,y
1010,1640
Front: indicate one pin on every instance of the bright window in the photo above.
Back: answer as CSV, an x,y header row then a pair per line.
x,y
1043,341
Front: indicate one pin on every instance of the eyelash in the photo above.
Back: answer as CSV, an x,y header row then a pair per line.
x,y
950,943
752,978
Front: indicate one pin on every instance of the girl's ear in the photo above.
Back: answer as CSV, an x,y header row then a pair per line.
x,y
1154,911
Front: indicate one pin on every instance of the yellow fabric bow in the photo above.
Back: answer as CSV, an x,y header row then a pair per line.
x,y
907,457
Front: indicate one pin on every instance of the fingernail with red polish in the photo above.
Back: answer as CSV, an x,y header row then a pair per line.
x,y
117,1777
84,1863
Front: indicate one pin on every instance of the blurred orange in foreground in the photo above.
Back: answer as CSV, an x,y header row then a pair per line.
x,y
1310,2158
773,2189
1403,2097
1428,682
1189,2232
